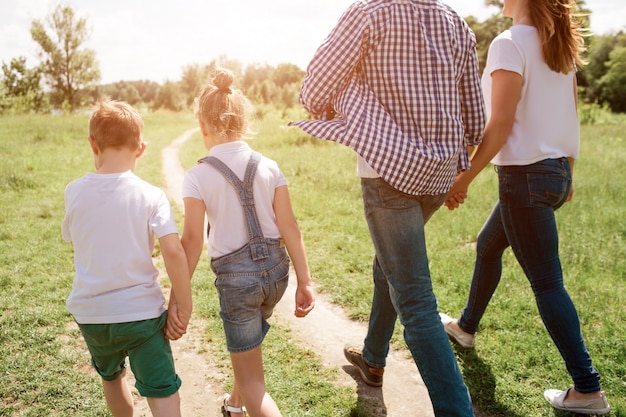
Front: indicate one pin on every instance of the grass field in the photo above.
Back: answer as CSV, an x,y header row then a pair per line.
x,y
43,370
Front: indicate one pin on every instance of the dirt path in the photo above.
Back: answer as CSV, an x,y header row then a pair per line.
x,y
324,331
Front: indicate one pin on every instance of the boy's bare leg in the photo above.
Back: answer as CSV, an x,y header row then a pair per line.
x,y
118,396
165,406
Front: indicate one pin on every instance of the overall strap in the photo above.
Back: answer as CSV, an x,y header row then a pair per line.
x,y
258,244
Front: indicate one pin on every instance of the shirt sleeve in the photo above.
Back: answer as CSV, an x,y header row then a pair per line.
x,y
472,104
65,226
334,61
190,187
69,195
280,179
162,221
505,55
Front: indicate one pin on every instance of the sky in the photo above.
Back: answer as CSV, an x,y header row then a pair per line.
x,y
154,40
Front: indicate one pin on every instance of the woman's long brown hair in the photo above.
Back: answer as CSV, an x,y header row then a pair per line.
x,y
560,32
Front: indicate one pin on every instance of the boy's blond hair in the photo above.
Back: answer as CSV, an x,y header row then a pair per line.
x,y
115,124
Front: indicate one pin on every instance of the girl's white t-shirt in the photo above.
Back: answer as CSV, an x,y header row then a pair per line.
x,y
546,122
223,209
112,221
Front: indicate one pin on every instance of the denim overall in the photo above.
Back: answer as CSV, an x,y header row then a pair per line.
x,y
252,279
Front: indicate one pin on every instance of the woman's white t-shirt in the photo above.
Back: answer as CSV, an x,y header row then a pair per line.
x,y
546,122
223,209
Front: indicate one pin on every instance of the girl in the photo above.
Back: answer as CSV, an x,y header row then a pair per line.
x,y
246,200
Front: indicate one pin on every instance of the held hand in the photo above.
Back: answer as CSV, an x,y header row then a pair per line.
x,y
457,194
305,300
454,201
177,322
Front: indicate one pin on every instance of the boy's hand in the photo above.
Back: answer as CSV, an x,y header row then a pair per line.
x,y
305,300
177,323
180,304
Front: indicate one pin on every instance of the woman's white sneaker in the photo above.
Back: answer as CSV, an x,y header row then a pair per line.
x,y
459,336
597,405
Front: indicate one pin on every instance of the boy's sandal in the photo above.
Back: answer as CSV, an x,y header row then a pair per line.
x,y
227,409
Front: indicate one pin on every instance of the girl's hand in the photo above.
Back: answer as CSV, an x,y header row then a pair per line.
x,y
305,300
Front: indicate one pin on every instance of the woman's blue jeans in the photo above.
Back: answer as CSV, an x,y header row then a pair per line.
x,y
524,219
403,289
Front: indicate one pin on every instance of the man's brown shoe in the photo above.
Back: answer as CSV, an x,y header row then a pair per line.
x,y
371,376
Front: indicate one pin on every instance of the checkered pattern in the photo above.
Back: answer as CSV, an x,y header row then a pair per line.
x,y
398,82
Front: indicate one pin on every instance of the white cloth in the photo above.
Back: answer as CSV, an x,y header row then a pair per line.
x,y
546,122
111,221
223,209
363,169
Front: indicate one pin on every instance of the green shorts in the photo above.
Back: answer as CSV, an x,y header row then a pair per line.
x,y
146,347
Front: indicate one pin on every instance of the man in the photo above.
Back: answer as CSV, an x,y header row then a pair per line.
x,y
398,82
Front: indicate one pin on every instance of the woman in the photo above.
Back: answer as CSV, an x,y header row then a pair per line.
x,y
532,136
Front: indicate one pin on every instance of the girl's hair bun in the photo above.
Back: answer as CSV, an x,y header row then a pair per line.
x,y
223,79
224,108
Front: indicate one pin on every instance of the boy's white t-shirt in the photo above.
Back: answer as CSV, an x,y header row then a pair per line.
x,y
546,122
223,209
112,221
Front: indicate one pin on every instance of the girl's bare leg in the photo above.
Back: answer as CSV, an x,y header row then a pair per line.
x,y
250,382
234,400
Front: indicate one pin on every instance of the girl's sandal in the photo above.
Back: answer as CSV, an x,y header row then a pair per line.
x,y
227,409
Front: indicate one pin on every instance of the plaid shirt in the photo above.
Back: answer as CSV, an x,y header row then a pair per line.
x,y
398,82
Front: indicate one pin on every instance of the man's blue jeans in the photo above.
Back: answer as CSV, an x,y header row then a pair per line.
x,y
524,219
403,289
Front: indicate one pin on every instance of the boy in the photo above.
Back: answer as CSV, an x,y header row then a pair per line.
x,y
112,217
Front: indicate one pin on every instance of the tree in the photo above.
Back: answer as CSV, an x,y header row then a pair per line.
x,y
597,57
132,92
169,97
613,82
602,78
68,68
288,74
21,89
485,32
195,77
148,90
256,74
